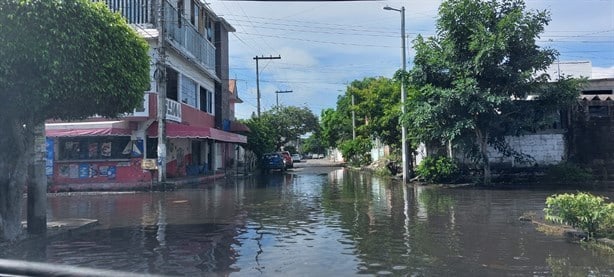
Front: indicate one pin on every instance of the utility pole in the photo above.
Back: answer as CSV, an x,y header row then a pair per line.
x,y
258,76
160,75
403,129
277,95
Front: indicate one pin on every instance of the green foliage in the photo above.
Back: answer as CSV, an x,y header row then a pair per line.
x,y
260,139
336,125
356,152
438,169
274,128
313,144
288,123
568,172
68,59
582,210
60,59
377,108
467,79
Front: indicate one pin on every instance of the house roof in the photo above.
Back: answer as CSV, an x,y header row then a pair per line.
x,y
234,95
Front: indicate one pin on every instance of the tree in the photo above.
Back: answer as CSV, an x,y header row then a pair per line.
x,y
260,138
60,59
468,78
288,123
378,102
377,111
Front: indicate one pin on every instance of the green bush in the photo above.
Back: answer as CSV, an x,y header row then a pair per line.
x,y
582,210
356,151
567,172
438,169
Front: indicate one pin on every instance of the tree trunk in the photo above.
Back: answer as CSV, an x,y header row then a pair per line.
x,y
483,144
14,159
37,184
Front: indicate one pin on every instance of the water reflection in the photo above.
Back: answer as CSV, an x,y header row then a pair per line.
x,y
302,223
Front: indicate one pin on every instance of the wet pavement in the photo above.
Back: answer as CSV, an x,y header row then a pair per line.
x,y
314,220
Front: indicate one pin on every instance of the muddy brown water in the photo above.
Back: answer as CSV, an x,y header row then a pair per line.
x,y
319,221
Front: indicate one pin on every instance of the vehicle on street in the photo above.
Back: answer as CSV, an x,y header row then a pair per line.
x,y
288,158
321,156
273,161
296,158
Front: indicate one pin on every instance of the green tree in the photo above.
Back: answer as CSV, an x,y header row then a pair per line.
x,y
60,59
466,78
260,139
378,103
336,124
288,123
314,144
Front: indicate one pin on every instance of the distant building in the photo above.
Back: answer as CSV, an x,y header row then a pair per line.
x,y
200,107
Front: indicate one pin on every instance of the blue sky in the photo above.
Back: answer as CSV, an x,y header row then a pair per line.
x,y
326,45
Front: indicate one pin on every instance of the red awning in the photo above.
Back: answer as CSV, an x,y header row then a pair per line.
x,y
84,129
176,130
227,136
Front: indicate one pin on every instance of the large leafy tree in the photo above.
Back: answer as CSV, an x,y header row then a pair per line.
x,y
376,108
260,139
288,123
469,77
60,59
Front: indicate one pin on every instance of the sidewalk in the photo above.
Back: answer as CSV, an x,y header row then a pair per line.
x,y
170,183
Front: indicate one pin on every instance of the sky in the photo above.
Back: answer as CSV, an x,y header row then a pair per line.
x,y
324,46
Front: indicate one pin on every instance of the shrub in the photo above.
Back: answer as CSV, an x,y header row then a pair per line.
x,y
356,151
582,210
438,169
567,172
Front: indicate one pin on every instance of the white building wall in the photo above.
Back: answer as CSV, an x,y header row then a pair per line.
x,y
546,149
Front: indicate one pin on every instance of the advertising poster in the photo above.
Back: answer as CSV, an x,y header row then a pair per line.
x,y
50,155
84,170
105,149
92,150
103,169
111,172
73,171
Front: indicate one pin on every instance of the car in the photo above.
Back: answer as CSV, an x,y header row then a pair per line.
x,y
321,156
287,158
296,158
273,161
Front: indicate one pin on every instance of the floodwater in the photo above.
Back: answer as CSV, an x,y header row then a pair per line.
x,y
326,222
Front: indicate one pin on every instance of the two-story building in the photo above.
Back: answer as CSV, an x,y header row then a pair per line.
x,y
199,116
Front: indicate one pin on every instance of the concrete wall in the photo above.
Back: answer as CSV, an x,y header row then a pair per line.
x,y
546,149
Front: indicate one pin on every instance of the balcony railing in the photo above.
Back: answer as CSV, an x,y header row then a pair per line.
x,y
189,38
135,11
186,38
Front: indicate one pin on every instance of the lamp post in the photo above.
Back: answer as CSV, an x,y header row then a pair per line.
x,y
403,129
277,95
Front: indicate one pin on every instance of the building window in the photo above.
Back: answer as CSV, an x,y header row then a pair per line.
x,y
171,84
94,148
188,91
206,101
193,12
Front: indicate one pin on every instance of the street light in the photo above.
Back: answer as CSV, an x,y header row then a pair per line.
x,y
277,95
403,129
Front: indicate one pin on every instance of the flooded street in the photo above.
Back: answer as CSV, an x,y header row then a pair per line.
x,y
320,221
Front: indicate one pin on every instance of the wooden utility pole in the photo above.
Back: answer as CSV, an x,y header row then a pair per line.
x,y
277,95
258,76
37,184
160,75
